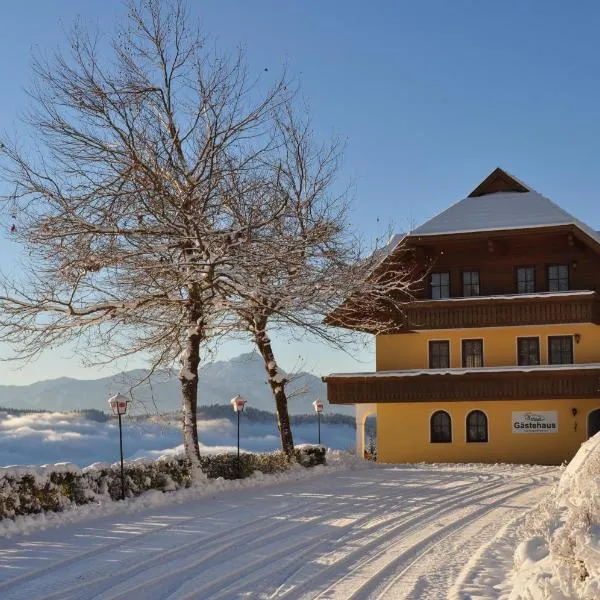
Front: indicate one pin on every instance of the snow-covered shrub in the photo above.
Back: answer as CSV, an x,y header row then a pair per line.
x,y
53,488
140,476
227,466
30,491
310,455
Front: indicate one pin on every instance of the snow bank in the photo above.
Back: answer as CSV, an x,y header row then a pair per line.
x,y
559,557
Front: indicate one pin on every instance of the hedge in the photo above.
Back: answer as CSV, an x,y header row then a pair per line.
x,y
25,491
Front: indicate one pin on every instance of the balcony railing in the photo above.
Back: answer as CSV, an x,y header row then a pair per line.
x,y
497,311
510,383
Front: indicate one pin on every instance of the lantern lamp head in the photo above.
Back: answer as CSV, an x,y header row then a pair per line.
x,y
238,403
318,406
118,403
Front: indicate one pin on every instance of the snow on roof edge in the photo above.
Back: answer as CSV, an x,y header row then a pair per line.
x,y
464,370
505,228
564,294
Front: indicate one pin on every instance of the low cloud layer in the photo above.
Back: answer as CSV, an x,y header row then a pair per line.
x,y
46,438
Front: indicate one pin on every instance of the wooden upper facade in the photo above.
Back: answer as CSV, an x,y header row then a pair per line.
x,y
496,260
491,272
517,278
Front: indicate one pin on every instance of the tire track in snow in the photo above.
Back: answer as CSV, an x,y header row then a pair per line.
x,y
379,584
428,545
308,543
192,565
227,541
269,567
485,573
388,528
354,560
288,512
329,539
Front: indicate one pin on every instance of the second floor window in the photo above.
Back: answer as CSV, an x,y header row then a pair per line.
x,y
470,283
472,353
525,280
440,285
528,350
439,355
560,350
558,278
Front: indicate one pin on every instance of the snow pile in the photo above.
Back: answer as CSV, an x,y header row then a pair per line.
x,y
559,558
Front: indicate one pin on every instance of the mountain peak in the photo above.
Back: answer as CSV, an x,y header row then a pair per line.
x,y
219,381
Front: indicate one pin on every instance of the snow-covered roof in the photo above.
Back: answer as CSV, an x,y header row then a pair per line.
x,y
501,210
463,371
392,244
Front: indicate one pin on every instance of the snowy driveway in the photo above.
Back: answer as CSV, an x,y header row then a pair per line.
x,y
408,532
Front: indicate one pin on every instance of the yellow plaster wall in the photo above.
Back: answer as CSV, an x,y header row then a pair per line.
x,y
403,432
411,350
403,428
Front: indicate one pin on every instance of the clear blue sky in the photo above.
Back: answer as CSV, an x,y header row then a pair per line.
x,y
429,95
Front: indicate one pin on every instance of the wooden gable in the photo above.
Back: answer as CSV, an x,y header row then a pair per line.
x,y
498,181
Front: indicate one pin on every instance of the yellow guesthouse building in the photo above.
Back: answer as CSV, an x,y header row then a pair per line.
x,y
497,356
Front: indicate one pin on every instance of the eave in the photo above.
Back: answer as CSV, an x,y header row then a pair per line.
x,y
503,232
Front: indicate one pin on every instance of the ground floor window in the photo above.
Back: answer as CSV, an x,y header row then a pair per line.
x,y
441,427
477,427
593,422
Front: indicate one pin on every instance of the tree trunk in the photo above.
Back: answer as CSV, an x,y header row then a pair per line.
x,y
277,383
189,392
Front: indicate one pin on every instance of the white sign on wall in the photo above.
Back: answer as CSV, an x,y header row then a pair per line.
x,y
535,422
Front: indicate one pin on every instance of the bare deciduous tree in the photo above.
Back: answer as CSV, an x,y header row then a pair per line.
x,y
136,196
308,272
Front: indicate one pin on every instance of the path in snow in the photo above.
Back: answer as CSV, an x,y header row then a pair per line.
x,y
423,532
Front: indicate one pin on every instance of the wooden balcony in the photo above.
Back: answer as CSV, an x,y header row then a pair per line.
x,y
450,385
498,311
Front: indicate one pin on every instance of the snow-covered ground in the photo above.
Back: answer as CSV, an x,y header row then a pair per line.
x,y
41,438
425,531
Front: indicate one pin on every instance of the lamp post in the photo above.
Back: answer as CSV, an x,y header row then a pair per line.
x,y
318,406
238,404
118,403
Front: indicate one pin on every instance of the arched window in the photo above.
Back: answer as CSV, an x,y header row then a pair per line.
x,y
441,427
477,427
594,422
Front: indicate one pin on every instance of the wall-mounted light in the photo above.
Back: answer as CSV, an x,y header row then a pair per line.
x,y
574,264
577,337
574,411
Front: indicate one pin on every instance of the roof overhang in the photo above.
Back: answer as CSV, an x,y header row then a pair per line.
x,y
487,232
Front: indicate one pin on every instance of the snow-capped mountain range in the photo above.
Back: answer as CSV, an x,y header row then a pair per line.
x,y
219,382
